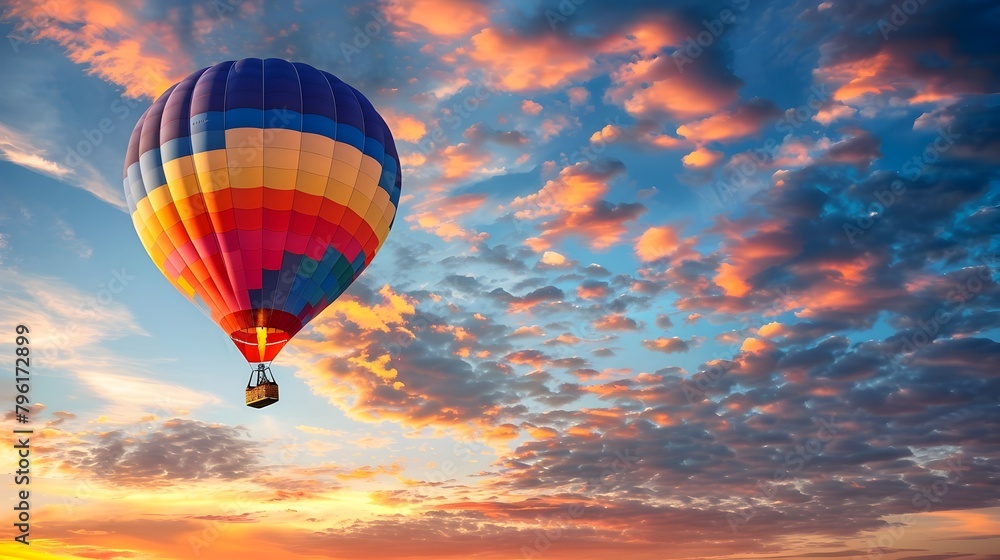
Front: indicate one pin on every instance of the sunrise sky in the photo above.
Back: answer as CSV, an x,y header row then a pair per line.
x,y
685,279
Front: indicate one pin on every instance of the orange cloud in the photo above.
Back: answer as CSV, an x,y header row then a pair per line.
x,y
367,473
439,216
555,260
860,77
666,345
592,291
753,345
574,199
577,187
833,112
893,71
702,157
616,322
540,63
529,107
404,127
745,120
643,134
578,95
462,160
442,18
731,280
753,253
653,86
533,330
771,330
391,311
145,59
602,225
656,243
540,432
552,127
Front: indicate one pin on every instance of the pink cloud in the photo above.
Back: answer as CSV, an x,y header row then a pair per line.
x,y
653,87
143,57
442,18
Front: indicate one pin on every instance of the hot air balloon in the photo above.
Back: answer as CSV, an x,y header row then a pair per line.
x,y
261,189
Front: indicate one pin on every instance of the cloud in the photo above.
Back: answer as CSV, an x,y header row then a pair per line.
x,y
660,242
666,345
496,331
446,19
702,157
833,112
602,225
528,331
654,87
527,60
645,135
578,96
441,215
436,386
178,451
14,147
894,64
24,150
530,107
593,289
130,397
366,472
543,295
143,57
407,128
746,120
860,150
462,160
576,188
553,259
481,133
616,322
320,431
66,233
529,64
573,202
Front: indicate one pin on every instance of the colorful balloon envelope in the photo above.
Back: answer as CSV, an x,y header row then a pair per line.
x,y
261,189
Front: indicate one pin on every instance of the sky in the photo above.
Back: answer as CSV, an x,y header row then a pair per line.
x,y
669,279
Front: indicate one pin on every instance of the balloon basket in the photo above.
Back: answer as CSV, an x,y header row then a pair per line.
x,y
265,391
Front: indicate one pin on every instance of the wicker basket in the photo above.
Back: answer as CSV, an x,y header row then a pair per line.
x,y
262,395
